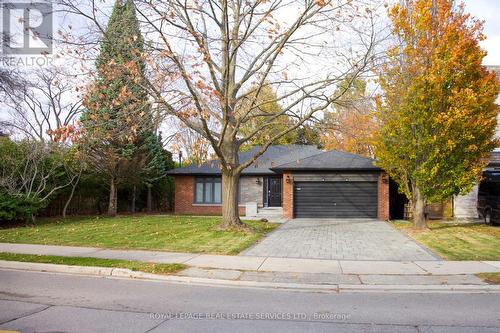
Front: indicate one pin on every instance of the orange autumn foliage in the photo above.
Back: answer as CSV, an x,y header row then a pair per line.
x,y
353,133
350,126
438,114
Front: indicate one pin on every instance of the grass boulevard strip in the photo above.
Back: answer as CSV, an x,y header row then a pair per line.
x,y
491,278
145,267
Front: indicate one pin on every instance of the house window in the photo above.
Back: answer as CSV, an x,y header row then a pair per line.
x,y
208,190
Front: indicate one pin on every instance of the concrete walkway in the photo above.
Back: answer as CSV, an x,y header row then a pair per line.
x,y
340,239
238,267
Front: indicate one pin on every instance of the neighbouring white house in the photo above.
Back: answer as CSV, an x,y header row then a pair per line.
x,y
464,206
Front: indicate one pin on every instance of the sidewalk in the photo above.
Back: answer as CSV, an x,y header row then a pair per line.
x,y
288,270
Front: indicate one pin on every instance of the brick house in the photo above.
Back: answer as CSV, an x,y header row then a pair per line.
x,y
293,180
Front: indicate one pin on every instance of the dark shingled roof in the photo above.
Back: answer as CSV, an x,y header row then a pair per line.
x,y
274,156
332,160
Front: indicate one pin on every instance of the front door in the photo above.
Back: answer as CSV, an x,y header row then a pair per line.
x,y
274,191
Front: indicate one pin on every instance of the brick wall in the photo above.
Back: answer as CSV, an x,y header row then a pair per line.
x,y
184,198
287,196
184,192
383,196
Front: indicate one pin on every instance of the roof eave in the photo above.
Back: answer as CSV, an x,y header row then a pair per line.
x,y
192,173
186,173
324,169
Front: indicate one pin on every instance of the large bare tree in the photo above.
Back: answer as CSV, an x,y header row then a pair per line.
x,y
206,56
43,104
40,107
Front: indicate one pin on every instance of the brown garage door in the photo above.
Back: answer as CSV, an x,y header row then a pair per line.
x,y
335,199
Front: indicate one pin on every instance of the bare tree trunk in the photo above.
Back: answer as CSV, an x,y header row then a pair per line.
x,y
66,205
418,203
116,200
112,198
230,211
230,179
29,218
134,189
149,200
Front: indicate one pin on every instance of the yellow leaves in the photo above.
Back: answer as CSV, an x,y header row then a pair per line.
x,y
436,116
472,148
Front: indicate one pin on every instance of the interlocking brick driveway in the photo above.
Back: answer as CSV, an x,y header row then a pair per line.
x,y
341,239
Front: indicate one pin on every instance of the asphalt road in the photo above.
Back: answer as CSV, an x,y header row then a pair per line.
x,y
47,302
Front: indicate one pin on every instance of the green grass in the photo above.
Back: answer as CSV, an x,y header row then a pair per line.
x,y
96,262
148,232
455,241
491,278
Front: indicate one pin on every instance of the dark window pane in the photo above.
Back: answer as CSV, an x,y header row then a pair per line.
x,y
217,192
199,192
208,192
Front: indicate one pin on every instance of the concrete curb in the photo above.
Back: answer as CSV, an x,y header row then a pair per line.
x,y
122,273
55,268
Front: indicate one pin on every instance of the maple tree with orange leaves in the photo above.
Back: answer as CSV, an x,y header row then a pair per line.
x,y
438,113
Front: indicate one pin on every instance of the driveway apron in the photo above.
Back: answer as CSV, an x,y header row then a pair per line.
x,y
339,239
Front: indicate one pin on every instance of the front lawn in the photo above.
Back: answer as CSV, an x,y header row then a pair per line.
x,y
455,241
146,267
491,278
153,232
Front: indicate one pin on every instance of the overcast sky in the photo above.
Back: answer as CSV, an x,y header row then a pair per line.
x,y
489,11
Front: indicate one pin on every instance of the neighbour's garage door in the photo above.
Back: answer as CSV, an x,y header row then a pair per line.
x,y
335,199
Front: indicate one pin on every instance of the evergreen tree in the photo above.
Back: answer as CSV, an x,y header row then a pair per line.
x,y
117,115
158,161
